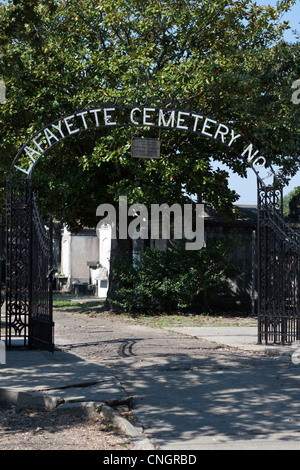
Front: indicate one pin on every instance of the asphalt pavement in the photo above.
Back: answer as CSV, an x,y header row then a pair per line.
x,y
237,396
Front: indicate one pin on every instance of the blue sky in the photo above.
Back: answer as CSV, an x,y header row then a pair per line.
x,y
247,187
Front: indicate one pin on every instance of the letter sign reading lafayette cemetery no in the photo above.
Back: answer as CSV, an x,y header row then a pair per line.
x,y
126,116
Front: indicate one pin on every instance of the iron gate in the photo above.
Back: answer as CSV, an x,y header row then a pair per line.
x,y
279,271
29,316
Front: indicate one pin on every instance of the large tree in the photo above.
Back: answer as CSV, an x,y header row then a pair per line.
x,y
224,56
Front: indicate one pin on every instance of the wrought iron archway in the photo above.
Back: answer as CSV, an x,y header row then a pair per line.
x,y
28,243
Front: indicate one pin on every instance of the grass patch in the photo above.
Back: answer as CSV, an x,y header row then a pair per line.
x,y
181,320
154,320
69,304
64,302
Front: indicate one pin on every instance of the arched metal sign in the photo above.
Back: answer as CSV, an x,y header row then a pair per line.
x,y
113,116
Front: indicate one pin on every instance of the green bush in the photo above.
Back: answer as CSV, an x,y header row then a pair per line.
x,y
171,280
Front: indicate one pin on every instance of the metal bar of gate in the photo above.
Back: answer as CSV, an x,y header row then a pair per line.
x,y
40,304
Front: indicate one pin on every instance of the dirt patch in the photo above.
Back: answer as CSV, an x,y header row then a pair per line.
x,y
23,429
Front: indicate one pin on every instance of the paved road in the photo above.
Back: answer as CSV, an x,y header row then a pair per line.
x,y
190,393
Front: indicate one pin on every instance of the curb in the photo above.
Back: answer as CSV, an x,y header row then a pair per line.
x,y
35,400
49,403
111,415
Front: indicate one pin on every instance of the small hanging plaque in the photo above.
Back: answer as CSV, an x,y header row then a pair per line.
x,y
145,148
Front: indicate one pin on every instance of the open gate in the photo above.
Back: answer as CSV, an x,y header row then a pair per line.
x,y
279,271
28,285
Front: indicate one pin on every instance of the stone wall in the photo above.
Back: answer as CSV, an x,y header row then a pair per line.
x,y
243,287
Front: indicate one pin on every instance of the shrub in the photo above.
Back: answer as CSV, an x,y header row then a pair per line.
x,y
173,279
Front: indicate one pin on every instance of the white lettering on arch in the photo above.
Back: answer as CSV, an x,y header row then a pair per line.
x,y
70,125
141,116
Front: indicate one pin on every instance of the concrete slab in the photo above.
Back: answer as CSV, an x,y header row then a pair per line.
x,y
101,392
244,338
61,375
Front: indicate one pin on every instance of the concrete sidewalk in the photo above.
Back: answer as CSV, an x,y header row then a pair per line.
x,y
241,337
45,380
